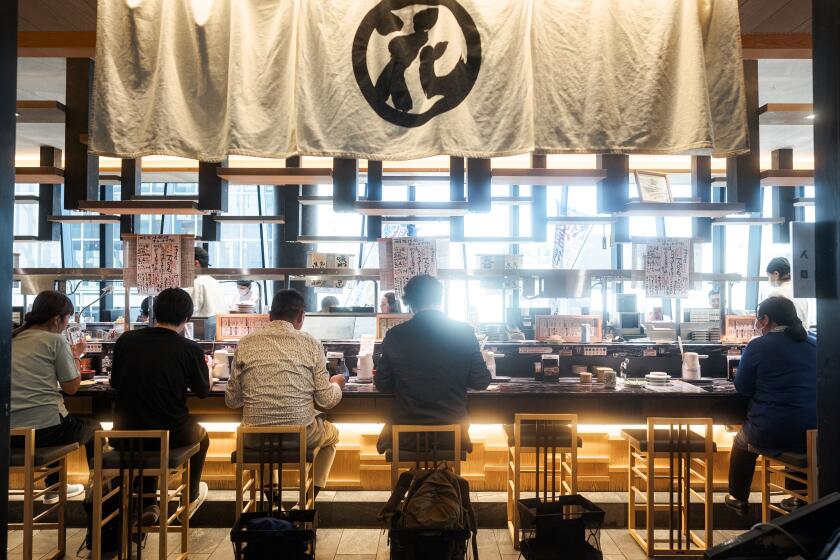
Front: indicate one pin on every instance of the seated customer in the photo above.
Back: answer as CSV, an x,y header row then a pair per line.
x,y
778,372
43,361
280,374
428,363
152,370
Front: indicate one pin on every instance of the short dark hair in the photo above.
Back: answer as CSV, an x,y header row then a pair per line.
x,y
781,311
173,306
286,305
244,283
422,291
202,257
780,265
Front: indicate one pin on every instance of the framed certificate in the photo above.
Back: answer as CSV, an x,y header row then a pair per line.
x,y
653,187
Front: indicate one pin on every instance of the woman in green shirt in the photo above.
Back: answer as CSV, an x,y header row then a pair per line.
x,y
43,365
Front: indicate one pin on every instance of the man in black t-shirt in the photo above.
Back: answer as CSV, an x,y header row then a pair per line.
x,y
152,370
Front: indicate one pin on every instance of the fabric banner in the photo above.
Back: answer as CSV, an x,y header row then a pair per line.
x,y
404,79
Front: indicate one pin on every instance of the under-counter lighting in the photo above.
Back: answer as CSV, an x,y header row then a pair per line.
x,y
811,117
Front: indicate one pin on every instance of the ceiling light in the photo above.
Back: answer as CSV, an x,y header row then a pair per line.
x,y
811,117
17,114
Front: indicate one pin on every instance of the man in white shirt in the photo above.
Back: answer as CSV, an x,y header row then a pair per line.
x,y
280,374
207,295
778,273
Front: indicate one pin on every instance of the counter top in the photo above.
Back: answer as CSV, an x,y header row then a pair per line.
x,y
565,386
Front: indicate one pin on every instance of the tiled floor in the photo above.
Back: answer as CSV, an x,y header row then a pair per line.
x,y
333,544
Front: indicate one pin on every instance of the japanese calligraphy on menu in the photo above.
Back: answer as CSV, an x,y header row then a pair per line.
x,y
667,267
409,256
156,262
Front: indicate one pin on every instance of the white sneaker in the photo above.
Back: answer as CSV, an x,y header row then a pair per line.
x,y
72,491
202,495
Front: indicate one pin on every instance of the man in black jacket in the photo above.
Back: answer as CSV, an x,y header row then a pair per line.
x,y
153,369
428,363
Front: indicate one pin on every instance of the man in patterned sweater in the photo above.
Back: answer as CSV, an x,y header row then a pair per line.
x,y
280,374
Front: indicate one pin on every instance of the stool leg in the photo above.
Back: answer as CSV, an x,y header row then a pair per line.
x,y
163,500
28,508
631,495
239,492
185,514
252,505
651,501
710,477
96,526
62,498
765,490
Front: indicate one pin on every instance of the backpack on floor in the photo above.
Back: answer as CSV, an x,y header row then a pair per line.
x,y
111,539
430,508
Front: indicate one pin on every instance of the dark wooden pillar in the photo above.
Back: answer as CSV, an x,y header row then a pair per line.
x,y
8,93
456,193
743,182
300,219
130,185
345,184
612,192
479,181
782,196
826,53
81,170
719,237
212,195
374,192
701,188
49,199
539,202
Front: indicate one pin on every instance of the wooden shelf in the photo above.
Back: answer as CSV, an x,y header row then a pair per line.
x,y
26,238
27,199
110,179
46,175
40,112
91,219
168,197
748,221
332,239
581,220
786,114
787,177
804,201
683,209
554,177
276,175
413,219
309,200
512,200
397,208
249,219
141,207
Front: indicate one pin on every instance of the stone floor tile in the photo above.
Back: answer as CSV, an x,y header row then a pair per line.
x,y
358,541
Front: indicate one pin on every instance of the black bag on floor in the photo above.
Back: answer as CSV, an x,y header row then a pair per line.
x,y
289,535
429,515
112,530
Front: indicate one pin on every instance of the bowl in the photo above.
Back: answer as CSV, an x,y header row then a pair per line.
x,y
87,374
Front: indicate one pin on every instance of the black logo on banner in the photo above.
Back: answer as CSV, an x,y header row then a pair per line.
x,y
389,93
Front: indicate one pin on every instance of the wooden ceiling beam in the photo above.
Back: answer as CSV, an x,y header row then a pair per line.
x,y
82,44
776,45
57,44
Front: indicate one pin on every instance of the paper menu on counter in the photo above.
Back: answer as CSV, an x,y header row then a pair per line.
x,y
667,267
366,344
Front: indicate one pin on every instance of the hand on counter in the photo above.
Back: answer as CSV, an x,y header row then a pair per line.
x,y
338,380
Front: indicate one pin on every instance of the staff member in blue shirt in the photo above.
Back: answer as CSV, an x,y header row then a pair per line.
x,y
778,372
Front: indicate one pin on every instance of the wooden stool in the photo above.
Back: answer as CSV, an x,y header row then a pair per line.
x,y
138,454
266,449
685,451
536,433
426,454
798,467
35,464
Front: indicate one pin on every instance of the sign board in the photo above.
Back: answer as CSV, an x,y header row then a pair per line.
x,y
802,263
668,268
156,262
